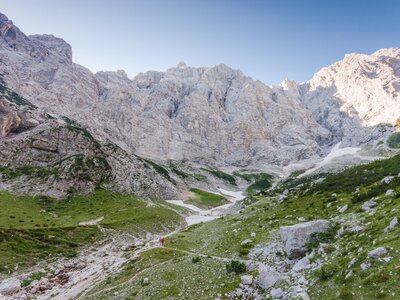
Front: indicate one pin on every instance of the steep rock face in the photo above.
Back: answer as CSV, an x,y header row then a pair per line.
x,y
357,98
208,115
48,155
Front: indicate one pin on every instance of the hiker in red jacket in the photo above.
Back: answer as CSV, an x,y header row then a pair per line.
x,y
162,240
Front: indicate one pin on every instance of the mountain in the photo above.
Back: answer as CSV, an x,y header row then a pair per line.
x,y
214,115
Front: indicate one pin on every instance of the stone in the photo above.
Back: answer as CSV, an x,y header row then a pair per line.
x,y
390,193
302,264
245,242
343,208
365,266
246,279
378,252
348,275
367,205
9,286
352,263
277,293
387,179
268,277
392,224
297,236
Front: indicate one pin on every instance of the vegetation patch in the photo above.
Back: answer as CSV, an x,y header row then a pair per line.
x,y
205,199
394,140
12,96
159,169
38,228
221,175
262,182
236,267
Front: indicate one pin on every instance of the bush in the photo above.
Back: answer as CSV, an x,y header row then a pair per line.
x,y
196,259
394,140
326,272
235,267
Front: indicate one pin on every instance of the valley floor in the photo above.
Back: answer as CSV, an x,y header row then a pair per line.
x,y
357,258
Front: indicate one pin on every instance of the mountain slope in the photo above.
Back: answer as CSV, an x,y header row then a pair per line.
x,y
49,155
209,115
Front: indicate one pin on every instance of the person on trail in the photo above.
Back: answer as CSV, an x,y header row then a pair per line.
x,y
162,240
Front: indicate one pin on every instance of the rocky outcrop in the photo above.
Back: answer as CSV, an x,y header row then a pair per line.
x,y
209,115
296,237
50,155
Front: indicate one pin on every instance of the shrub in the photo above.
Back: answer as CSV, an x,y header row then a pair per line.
x,y
235,267
394,140
196,259
326,272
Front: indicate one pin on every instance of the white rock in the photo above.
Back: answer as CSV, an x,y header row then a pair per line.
x,y
277,293
302,264
245,242
297,236
9,286
365,266
268,277
343,208
246,279
378,252
387,179
392,224
367,205
390,193
352,263
348,275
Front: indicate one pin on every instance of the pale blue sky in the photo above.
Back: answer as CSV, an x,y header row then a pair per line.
x,y
267,40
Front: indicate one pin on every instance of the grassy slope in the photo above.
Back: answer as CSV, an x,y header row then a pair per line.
x,y
262,215
32,229
205,199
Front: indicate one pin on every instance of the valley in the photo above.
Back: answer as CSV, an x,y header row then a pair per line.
x,y
286,191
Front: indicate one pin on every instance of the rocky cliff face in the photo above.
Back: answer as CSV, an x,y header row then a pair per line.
x,y
209,115
50,155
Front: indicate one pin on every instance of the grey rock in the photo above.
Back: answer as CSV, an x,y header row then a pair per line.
x,y
297,236
390,193
268,277
392,224
9,286
367,205
365,266
246,279
343,208
387,179
302,264
378,252
277,293
245,242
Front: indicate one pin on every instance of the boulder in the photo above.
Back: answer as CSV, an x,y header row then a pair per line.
x,y
378,252
302,264
343,208
392,224
390,193
9,286
296,237
367,205
268,277
246,279
277,293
